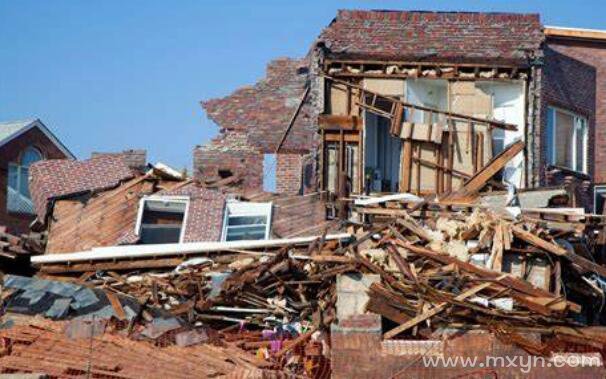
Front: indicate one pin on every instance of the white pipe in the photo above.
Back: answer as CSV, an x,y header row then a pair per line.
x,y
147,251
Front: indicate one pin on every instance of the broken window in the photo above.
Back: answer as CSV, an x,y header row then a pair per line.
x,y
18,198
567,139
161,220
246,221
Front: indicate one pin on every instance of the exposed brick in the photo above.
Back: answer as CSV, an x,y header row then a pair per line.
x,y
434,36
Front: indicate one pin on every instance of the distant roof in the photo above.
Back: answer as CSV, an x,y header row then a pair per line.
x,y
575,33
417,36
9,130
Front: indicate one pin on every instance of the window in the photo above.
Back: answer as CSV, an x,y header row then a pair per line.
x,y
18,199
246,221
599,198
161,219
567,139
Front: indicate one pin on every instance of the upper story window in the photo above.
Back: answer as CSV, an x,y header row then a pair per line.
x,y
18,199
246,221
566,139
162,219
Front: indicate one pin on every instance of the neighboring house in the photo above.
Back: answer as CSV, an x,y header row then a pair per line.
x,y
468,85
21,144
578,57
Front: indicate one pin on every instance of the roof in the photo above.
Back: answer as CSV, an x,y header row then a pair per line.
x,y
9,130
418,36
42,346
575,33
54,178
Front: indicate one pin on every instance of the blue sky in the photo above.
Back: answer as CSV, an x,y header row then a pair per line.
x,y
110,75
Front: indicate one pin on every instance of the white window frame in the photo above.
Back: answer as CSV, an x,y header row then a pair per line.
x,y
244,208
171,199
579,121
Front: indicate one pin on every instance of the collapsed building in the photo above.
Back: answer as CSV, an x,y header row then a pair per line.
x,y
464,85
419,184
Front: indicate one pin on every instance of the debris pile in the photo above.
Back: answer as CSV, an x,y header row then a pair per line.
x,y
434,268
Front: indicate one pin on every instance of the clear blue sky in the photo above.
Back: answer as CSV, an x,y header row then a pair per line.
x,y
110,75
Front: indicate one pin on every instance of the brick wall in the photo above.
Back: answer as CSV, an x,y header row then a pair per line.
x,y
214,163
568,83
289,172
594,55
298,215
358,353
19,223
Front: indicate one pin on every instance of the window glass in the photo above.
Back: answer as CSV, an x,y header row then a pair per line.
x,y
161,221
29,156
564,139
246,221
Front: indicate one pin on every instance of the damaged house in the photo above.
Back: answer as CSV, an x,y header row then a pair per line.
x,y
390,196
420,102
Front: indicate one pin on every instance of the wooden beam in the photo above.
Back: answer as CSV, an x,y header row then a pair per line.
x,y
434,311
478,180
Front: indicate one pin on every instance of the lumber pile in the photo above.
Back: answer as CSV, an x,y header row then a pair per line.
x,y
438,268
12,246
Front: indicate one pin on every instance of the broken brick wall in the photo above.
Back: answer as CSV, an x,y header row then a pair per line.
x,y
569,84
19,223
220,160
273,116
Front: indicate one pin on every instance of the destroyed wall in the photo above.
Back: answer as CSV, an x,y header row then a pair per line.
x,y
269,117
10,152
568,84
592,53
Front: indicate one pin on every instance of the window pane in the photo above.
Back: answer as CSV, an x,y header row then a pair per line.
x,y
246,233
24,182
247,220
580,144
13,173
161,221
563,143
30,155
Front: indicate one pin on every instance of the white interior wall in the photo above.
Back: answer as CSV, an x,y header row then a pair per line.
x,y
432,93
508,106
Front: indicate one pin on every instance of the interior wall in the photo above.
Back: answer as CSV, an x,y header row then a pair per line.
x,y
508,101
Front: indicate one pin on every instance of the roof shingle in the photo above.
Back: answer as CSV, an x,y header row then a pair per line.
x,y
454,37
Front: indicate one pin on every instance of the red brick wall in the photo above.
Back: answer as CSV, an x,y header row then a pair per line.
x,y
19,223
359,354
594,55
248,165
298,215
289,172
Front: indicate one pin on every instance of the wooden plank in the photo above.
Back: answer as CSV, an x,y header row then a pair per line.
x,y
475,184
434,311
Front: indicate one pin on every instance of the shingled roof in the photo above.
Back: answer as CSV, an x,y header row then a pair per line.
x,y
54,178
453,37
